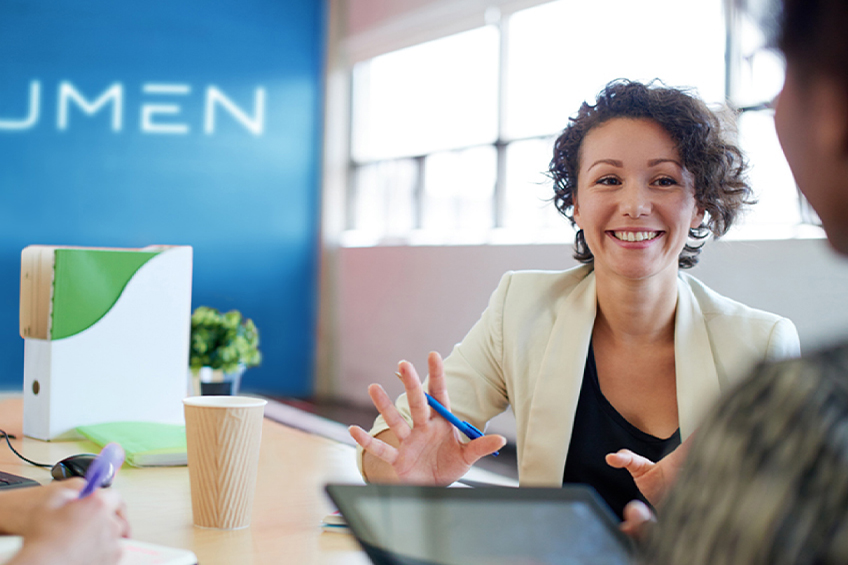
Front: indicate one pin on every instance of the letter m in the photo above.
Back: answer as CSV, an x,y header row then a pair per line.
x,y
68,93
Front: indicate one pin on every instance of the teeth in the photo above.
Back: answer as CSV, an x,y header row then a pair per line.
x,y
635,236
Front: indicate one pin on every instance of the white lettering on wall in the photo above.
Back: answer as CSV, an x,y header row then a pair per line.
x,y
32,115
148,111
215,96
160,114
114,94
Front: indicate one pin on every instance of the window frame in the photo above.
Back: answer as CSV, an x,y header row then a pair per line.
x,y
501,19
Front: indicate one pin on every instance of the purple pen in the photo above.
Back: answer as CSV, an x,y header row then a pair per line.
x,y
105,465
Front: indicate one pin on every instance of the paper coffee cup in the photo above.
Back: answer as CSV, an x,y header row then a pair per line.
x,y
223,434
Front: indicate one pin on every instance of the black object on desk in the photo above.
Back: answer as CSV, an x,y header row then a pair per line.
x,y
8,480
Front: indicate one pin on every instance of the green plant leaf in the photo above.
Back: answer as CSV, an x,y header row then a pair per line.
x,y
223,341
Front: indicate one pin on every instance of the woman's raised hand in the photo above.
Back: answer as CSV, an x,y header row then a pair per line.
x,y
652,479
432,451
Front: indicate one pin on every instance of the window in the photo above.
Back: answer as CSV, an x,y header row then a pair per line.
x,y
451,138
759,72
438,95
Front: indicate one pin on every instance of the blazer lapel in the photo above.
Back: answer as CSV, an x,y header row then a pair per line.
x,y
697,379
558,388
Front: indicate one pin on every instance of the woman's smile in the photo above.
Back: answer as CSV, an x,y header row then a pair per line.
x,y
635,236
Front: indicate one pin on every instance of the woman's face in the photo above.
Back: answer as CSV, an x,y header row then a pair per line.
x,y
635,201
810,121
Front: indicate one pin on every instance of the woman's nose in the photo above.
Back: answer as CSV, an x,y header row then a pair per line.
x,y
635,201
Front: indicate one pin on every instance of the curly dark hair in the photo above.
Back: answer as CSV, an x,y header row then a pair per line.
x,y
718,166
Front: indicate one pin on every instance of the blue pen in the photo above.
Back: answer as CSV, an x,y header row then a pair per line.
x,y
464,427
102,468
470,431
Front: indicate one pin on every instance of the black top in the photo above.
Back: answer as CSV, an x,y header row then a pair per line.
x,y
599,429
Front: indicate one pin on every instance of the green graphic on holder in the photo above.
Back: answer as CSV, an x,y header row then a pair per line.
x,y
87,283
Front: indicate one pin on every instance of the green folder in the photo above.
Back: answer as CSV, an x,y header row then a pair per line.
x,y
146,444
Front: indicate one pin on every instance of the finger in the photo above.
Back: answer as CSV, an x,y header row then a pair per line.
x,y
75,483
115,505
418,407
64,492
637,515
126,531
626,459
389,412
62,488
375,447
436,381
481,447
109,498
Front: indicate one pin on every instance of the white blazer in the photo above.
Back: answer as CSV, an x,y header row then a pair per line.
x,y
529,350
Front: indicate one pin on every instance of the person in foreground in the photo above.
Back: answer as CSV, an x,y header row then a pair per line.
x,y
766,480
623,352
59,528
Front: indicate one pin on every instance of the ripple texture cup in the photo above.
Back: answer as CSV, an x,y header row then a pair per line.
x,y
223,434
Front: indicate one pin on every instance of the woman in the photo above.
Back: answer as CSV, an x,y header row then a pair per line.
x,y
623,352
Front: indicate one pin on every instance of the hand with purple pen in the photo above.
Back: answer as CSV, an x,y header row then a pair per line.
x,y
72,521
103,468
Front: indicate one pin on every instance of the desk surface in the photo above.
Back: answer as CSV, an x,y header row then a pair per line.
x,y
290,502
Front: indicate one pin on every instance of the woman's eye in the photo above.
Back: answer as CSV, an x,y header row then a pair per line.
x,y
608,181
666,181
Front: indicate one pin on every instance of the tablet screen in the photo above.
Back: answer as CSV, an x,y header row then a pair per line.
x,y
486,526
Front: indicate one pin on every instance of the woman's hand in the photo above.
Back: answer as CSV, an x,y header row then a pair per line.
x,y
637,516
652,479
64,529
432,451
18,506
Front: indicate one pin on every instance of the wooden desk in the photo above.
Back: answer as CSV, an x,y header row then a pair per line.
x,y
290,502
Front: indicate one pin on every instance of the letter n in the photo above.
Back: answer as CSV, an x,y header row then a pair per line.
x,y
215,97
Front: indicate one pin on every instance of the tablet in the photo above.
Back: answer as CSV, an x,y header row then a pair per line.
x,y
415,525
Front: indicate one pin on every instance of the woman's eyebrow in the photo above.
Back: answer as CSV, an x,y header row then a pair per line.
x,y
613,162
654,162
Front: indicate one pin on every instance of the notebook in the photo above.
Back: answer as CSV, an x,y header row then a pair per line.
x,y
146,444
415,525
135,552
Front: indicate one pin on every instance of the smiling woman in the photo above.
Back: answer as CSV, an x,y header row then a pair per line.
x,y
622,353
698,141
635,202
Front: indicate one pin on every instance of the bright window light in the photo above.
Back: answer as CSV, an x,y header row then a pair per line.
x,y
760,74
438,95
770,177
458,192
382,206
528,192
563,53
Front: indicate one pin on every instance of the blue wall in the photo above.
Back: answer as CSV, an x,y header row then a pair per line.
x,y
244,193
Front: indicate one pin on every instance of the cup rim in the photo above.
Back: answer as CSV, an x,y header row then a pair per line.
x,y
224,401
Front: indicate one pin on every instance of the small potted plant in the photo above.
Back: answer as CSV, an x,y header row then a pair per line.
x,y
222,347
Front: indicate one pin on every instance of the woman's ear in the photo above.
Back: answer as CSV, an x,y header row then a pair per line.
x,y
575,212
697,217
